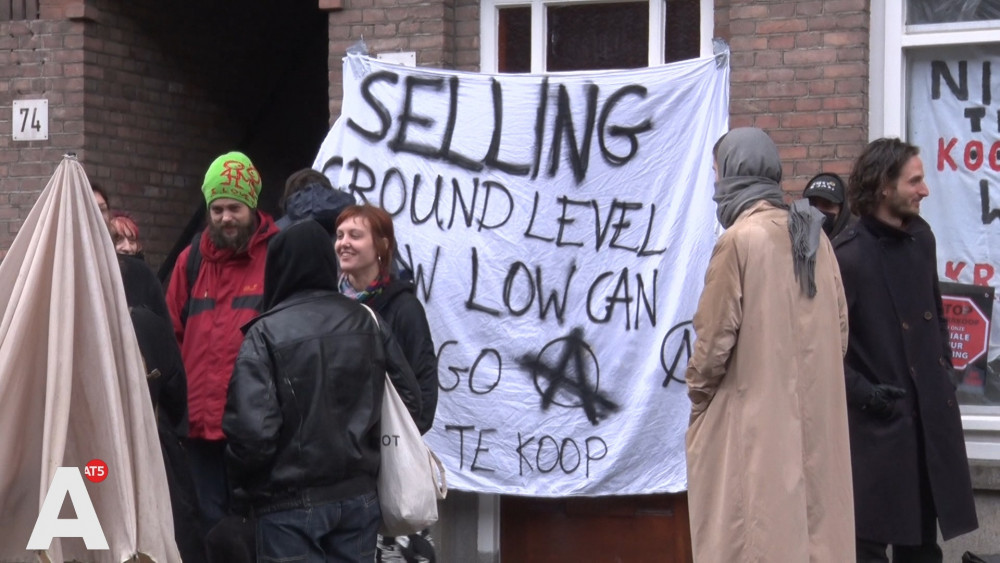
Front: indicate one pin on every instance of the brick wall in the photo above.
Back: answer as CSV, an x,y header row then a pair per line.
x,y
115,100
442,33
137,91
151,126
466,42
147,95
799,68
800,72
38,60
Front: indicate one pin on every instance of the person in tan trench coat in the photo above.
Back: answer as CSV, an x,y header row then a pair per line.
x,y
768,456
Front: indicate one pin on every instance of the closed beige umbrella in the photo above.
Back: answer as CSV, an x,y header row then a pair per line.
x,y
72,384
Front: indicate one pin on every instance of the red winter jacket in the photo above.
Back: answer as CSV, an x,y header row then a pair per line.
x,y
228,293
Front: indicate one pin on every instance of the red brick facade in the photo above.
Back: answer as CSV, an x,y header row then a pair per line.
x,y
147,96
800,72
442,33
38,59
799,69
149,125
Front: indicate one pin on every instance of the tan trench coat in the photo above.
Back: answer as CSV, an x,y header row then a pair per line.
x,y
768,457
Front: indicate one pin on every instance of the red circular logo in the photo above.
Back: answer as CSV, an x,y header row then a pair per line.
x,y
96,470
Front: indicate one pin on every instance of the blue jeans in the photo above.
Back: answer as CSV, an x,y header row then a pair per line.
x,y
343,531
208,470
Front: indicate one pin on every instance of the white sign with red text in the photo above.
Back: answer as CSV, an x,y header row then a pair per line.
x,y
954,105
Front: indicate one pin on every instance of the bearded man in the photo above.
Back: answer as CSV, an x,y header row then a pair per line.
x,y
216,287
910,470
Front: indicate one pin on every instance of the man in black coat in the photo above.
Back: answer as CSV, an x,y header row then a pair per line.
x,y
910,468
304,405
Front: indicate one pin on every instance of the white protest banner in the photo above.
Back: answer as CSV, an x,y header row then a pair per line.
x,y
953,118
558,228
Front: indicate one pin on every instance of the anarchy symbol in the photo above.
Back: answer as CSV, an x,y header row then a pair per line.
x,y
568,377
676,346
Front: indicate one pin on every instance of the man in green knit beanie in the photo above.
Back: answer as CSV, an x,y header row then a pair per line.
x,y
231,188
223,290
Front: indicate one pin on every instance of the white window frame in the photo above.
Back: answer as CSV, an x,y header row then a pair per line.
x,y
489,24
890,38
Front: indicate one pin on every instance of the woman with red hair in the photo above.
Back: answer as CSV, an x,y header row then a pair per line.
x,y
365,246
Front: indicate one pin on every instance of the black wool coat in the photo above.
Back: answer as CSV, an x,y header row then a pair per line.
x,y
898,336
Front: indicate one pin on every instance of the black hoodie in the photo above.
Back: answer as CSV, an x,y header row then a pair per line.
x,y
299,258
304,402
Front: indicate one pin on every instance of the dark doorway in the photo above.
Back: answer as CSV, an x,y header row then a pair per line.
x,y
264,68
172,86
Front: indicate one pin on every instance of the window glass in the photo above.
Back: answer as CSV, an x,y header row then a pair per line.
x,y
514,39
555,35
951,11
953,105
682,31
598,36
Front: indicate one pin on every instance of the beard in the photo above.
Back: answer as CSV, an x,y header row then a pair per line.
x,y
237,241
901,207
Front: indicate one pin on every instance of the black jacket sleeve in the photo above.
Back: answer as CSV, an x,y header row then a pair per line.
x,y
399,372
252,419
414,335
943,325
858,387
160,353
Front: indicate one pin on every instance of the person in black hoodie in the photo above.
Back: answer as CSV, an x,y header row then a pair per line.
x,y
168,391
365,246
825,192
310,195
303,408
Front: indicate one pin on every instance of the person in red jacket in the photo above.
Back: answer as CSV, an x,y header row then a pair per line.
x,y
223,291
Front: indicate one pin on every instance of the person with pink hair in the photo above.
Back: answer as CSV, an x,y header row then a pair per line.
x,y
125,234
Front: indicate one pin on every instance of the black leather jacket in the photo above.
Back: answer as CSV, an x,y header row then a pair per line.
x,y
304,402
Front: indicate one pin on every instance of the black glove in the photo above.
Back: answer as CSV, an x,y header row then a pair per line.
x,y
881,400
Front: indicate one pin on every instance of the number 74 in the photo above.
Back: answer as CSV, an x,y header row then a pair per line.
x,y
35,124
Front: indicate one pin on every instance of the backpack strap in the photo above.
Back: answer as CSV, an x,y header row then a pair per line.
x,y
193,267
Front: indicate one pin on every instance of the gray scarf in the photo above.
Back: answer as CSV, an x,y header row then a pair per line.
x,y
805,223
734,195
750,171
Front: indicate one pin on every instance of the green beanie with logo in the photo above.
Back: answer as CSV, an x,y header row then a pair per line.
x,y
232,176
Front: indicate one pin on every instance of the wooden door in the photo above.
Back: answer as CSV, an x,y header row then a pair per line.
x,y
631,529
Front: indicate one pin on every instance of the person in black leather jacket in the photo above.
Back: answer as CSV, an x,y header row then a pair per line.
x,y
303,408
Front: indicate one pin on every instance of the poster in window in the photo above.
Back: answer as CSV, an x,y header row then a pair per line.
x,y
953,109
967,310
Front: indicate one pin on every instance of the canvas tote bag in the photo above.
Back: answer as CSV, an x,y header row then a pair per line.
x,y
411,478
